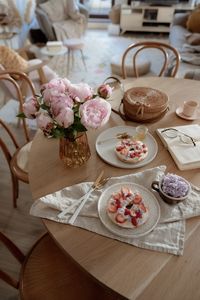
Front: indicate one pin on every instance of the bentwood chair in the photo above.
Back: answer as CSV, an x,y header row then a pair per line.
x,y
49,274
24,61
169,60
17,161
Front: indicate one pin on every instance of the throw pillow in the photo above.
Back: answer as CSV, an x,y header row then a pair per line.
x,y
72,10
114,14
193,22
11,60
193,39
55,10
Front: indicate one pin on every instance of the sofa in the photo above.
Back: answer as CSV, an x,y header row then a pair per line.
x,y
187,43
178,31
61,19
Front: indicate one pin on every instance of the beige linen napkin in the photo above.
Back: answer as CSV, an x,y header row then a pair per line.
x,y
167,236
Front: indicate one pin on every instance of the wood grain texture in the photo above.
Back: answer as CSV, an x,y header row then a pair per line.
x,y
123,268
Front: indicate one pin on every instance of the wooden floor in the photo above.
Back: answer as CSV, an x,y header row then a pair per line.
x,y
16,223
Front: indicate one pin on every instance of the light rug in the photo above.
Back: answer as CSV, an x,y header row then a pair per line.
x,y
98,51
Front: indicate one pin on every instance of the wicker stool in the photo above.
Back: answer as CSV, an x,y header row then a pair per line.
x,y
72,46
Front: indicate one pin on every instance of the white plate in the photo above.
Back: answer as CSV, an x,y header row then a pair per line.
x,y
106,149
149,200
179,112
45,51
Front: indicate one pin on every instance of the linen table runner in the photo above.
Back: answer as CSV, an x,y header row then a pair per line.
x,y
167,236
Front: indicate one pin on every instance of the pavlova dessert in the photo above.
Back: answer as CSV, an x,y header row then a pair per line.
x,y
131,151
127,208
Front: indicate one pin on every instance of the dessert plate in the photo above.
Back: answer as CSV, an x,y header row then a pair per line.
x,y
149,200
179,112
106,141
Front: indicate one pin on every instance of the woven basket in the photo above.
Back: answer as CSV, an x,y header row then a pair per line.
x,y
144,104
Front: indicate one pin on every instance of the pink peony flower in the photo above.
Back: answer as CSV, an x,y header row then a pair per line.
x,y
65,118
30,107
56,84
60,102
80,92
95,113
45,122
70,106
104,91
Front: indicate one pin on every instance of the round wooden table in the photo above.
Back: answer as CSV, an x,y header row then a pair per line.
x,y
133,273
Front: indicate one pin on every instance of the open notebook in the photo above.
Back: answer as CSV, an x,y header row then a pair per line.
x,y
186,156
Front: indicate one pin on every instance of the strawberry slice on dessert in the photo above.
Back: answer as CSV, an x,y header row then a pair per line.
x,y
137,199
120,218
112,207
134,221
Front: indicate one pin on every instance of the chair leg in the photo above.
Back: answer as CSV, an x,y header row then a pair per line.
x,y
42,76
15,190
68,61
83,59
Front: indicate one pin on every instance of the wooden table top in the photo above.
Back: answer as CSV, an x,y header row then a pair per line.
x,y
132,272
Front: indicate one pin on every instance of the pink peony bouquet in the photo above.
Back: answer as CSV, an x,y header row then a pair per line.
x,y
65,109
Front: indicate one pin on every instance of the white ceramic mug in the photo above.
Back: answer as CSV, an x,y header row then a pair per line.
x,y
189,108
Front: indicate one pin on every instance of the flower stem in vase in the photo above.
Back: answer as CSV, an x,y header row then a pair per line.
x,y
74,152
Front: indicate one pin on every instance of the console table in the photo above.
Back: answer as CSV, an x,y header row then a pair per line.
x,y
143,17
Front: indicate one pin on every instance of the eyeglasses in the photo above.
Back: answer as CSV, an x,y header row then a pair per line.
x,y
185,138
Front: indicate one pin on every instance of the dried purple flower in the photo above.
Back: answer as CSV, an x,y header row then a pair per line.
x,y
174,186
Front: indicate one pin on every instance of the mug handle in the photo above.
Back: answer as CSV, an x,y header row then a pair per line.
x,y
155,186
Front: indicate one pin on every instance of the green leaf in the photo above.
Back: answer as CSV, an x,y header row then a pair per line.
x,y
58,133
80,127
21,115
44,106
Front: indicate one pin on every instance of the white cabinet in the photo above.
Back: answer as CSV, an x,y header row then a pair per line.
x,y
131,18
143,17
165,14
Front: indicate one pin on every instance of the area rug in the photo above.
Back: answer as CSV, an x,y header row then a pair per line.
x,y
98,51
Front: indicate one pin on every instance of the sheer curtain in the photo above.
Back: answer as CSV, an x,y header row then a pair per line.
x,y
21,18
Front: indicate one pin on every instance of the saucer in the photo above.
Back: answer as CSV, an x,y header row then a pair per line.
x,y
179,112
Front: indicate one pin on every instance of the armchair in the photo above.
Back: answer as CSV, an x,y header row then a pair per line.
x,y
36,69
68,22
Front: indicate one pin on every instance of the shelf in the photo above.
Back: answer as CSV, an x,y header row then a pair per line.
x,y
156,24
140,16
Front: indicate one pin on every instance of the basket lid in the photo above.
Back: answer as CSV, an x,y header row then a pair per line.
x,y
146,96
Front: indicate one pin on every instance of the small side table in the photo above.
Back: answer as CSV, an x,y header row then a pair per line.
x,y
45,51
73,45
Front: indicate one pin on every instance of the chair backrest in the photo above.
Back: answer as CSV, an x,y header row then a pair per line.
x,y
169,65
49,273
45,24
7,78
16,252
3,145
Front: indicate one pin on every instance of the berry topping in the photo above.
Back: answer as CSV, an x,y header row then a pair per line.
x,y
134,221
120,218
112,207
137,199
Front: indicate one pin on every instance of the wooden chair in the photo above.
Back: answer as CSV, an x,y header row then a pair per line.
x,y
34,68
17,161
49,274
169,65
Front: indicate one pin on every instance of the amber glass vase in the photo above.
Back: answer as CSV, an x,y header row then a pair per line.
x,y
74,153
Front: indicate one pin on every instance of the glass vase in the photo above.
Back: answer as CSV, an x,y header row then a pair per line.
x,y
74,153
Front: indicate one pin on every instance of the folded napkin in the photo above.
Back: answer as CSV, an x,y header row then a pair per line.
x,y
167,236
186,156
